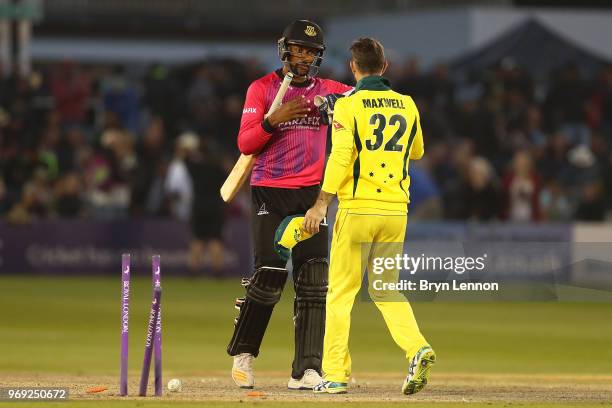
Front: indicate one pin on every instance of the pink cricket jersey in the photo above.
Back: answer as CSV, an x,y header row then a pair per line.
x,y
292,156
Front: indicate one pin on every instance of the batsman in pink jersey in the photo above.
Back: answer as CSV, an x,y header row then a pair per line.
x,y
290,147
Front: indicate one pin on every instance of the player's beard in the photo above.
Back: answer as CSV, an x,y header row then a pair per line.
x,y
300,69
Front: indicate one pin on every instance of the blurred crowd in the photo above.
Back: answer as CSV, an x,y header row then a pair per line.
x,y
502,146
111,142
105,142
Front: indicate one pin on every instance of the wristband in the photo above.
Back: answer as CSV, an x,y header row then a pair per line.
x,y
267,126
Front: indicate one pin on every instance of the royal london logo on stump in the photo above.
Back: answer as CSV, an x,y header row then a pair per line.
x,y
310,31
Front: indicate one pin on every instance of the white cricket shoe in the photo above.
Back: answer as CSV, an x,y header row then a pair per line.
x,y
242,371
308,381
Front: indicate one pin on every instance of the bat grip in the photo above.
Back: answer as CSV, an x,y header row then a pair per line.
x,y
278,99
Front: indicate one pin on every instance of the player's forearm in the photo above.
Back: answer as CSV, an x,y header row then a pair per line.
x,y
324,199
273,120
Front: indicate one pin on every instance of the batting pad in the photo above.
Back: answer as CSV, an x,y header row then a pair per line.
x,y
288,234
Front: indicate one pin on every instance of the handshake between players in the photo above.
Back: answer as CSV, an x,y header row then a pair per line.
x,y
286,181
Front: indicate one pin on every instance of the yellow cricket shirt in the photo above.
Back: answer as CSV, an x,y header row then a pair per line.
x,y
375,133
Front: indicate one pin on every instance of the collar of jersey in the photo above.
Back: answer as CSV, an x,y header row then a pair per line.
x,y
304,84
373,83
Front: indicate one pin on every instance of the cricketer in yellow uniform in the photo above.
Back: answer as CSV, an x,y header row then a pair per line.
x,y
375,134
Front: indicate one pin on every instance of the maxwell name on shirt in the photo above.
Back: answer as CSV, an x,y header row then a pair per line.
x,y
383,103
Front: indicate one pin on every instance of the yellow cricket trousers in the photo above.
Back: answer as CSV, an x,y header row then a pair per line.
x,y
352,249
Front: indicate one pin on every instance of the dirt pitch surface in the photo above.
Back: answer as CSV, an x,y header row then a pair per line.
x,y
270,386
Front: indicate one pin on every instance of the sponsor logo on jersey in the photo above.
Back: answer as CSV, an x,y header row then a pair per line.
x,y
337,125
309,122
249,110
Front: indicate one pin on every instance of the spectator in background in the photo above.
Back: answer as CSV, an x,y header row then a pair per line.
x,y
477,197
553,163
35,200
600,146
148,180
585,186
583,169
120,97
69,147
48,121
605,104
47,151
203,104
6,201
450,171
68,193
591,206
207,211
436,105
440,89
476,122
521,191
15,167
565,104
178,184
71,87
105,174
482,195
425,201
119,144
440,167
19,166
8,84
232,113
410,81
162,96
533,126
555,204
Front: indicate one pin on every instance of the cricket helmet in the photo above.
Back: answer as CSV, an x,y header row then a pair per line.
x,y
306,33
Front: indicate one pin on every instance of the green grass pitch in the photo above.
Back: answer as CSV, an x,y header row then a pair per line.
x,y
70,327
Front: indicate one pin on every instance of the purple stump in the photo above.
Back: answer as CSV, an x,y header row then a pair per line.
x,y
146,364
125,321
157,342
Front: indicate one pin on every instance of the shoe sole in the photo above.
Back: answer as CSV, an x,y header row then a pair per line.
x,y
335,390
299,388
420,378
331,391
299,385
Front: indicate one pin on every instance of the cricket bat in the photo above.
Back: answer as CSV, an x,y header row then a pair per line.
x,y
244,165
